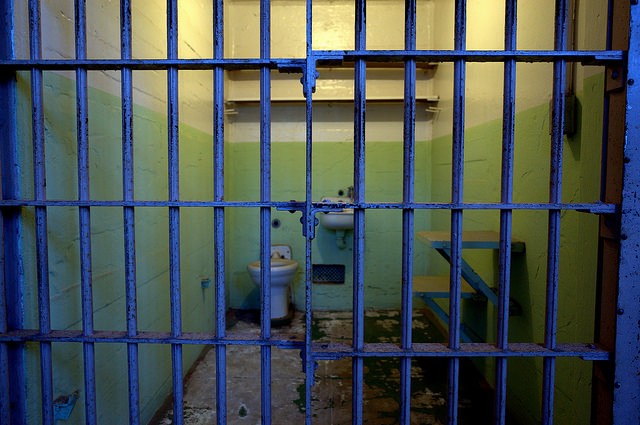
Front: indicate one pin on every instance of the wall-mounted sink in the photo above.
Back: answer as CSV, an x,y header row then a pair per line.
x,y
337,220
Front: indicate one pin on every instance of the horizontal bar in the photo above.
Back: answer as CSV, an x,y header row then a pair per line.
x,y
145,337
594,208
586,56
592,57
582,350
321,351
291,65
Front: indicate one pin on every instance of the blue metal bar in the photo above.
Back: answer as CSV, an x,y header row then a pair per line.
x,y
594,208
39,182
5,89
408,196
4,353
588,57
143,337
457,170
359,163
555,195
129,213
5,374
218,212
626,388
12,376
173,124
84,216
308,81
586,351
336,351
606,110
265,212
506,217
285,64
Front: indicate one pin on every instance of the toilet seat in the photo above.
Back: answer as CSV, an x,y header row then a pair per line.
x,y
282,272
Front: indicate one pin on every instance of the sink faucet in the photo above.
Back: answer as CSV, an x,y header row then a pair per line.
x,y
350,192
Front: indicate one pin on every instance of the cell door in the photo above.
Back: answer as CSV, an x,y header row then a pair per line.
x,y
469,165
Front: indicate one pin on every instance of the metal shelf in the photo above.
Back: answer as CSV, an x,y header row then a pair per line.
x,y
295,99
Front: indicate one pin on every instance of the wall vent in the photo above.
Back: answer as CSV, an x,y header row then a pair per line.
x,y
328,273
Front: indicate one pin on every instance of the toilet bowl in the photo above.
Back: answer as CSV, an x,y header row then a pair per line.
x,y
283,270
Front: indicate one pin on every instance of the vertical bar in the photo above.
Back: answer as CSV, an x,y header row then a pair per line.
x,y
265,212
408,213
4,353
360,104
626,393
11,297
39,182
129,212
506,196
84,215
456,213
308,222
218,212
555,195
173,123
7,97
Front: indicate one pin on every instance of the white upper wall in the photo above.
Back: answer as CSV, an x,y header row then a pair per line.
x,y
149,41
333,28
485,31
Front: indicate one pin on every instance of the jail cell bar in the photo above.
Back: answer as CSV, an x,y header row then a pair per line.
x,y
14,336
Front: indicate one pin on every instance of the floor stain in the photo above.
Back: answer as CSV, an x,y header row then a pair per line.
x,y
332,393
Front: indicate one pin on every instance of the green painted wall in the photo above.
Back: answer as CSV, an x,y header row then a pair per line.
x,y
152,259
578,256
332,171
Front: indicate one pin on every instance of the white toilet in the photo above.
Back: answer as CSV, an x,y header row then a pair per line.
x,y
283,269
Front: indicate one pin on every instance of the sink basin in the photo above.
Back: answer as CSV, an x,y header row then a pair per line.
x,y
337,220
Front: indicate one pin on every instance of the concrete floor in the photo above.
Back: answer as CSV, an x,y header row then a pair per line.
x,y
331,398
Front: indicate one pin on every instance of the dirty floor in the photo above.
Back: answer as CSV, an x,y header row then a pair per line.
x,y
331,398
